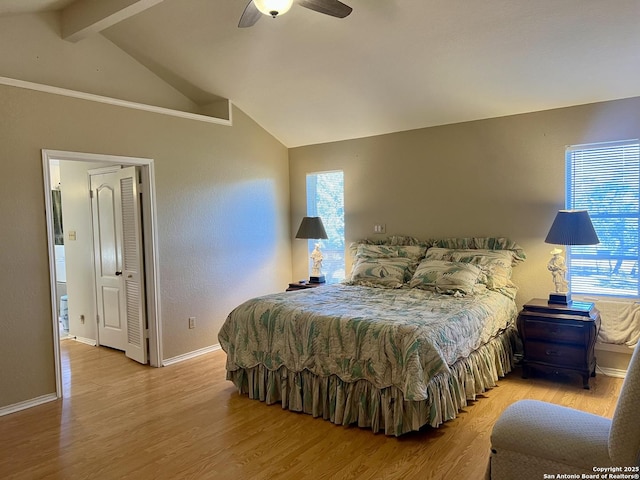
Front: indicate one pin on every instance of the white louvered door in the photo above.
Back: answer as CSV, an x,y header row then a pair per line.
x,y
117,228
132,266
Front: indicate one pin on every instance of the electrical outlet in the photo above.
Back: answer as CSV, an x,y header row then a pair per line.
x,y
379,228
192,322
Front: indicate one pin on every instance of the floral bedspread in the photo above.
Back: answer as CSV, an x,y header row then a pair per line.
x,y
390,337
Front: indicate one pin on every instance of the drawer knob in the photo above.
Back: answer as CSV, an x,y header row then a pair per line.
x,y
552,353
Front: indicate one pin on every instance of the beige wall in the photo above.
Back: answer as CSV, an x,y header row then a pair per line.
x,y
31,49
222,208
496,177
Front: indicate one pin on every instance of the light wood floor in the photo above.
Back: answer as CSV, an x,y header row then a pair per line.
x,y
121,420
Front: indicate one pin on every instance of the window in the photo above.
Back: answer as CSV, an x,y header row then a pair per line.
x,y
325,199
605,180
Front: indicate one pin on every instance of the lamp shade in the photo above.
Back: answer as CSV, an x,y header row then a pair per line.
x,y
311,227
572,227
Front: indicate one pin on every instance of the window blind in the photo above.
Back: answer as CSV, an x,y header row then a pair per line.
x,y
325,199
605,180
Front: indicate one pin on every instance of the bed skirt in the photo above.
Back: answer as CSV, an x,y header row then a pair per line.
x,y
359,402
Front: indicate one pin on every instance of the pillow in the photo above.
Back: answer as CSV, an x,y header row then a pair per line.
x,y
482,243
446,277
381,272
496,265
388,251
437,253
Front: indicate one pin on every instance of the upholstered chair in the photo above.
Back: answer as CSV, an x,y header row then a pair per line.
x,y
532,438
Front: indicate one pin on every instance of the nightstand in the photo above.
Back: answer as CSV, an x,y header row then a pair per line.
x,y
559,337
302,286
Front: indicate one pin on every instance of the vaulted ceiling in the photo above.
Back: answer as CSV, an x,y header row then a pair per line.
x,y
391,65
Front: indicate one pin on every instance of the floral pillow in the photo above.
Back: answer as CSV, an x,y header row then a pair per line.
x,y
437,253
381,272
389,251
496,265
446,277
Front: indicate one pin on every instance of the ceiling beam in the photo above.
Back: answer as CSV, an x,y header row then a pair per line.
x,y
87,17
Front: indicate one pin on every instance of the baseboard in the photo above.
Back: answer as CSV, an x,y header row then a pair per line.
x,y
610,347
613,360
88,341
186,356
611,372
16,407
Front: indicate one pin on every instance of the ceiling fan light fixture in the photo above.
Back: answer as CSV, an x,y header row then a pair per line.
x,y
273,8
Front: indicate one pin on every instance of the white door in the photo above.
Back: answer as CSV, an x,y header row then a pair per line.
x,y
119,270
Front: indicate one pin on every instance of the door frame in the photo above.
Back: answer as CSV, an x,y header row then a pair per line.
x,y
150,246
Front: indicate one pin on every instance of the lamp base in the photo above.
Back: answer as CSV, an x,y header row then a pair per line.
x,y
560,298
317,279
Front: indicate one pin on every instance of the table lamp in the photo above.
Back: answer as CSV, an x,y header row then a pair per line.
x,y
312,228
570,227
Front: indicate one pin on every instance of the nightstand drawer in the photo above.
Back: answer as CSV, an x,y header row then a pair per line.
x,y
560,355
555,331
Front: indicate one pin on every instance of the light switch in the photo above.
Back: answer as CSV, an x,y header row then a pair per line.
x,y
72,235
379,228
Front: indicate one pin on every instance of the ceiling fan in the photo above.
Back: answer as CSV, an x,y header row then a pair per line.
x,y
273,8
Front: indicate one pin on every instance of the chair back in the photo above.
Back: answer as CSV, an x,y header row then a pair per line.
x,y
624,436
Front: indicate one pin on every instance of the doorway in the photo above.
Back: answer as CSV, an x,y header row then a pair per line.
x,y
148,251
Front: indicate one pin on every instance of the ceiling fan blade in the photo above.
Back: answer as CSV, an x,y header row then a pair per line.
x,y
328,7
250,15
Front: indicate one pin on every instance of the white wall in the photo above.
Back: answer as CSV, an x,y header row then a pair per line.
x,y
76,217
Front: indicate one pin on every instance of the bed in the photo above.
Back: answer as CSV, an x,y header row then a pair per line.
x,y
418,330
